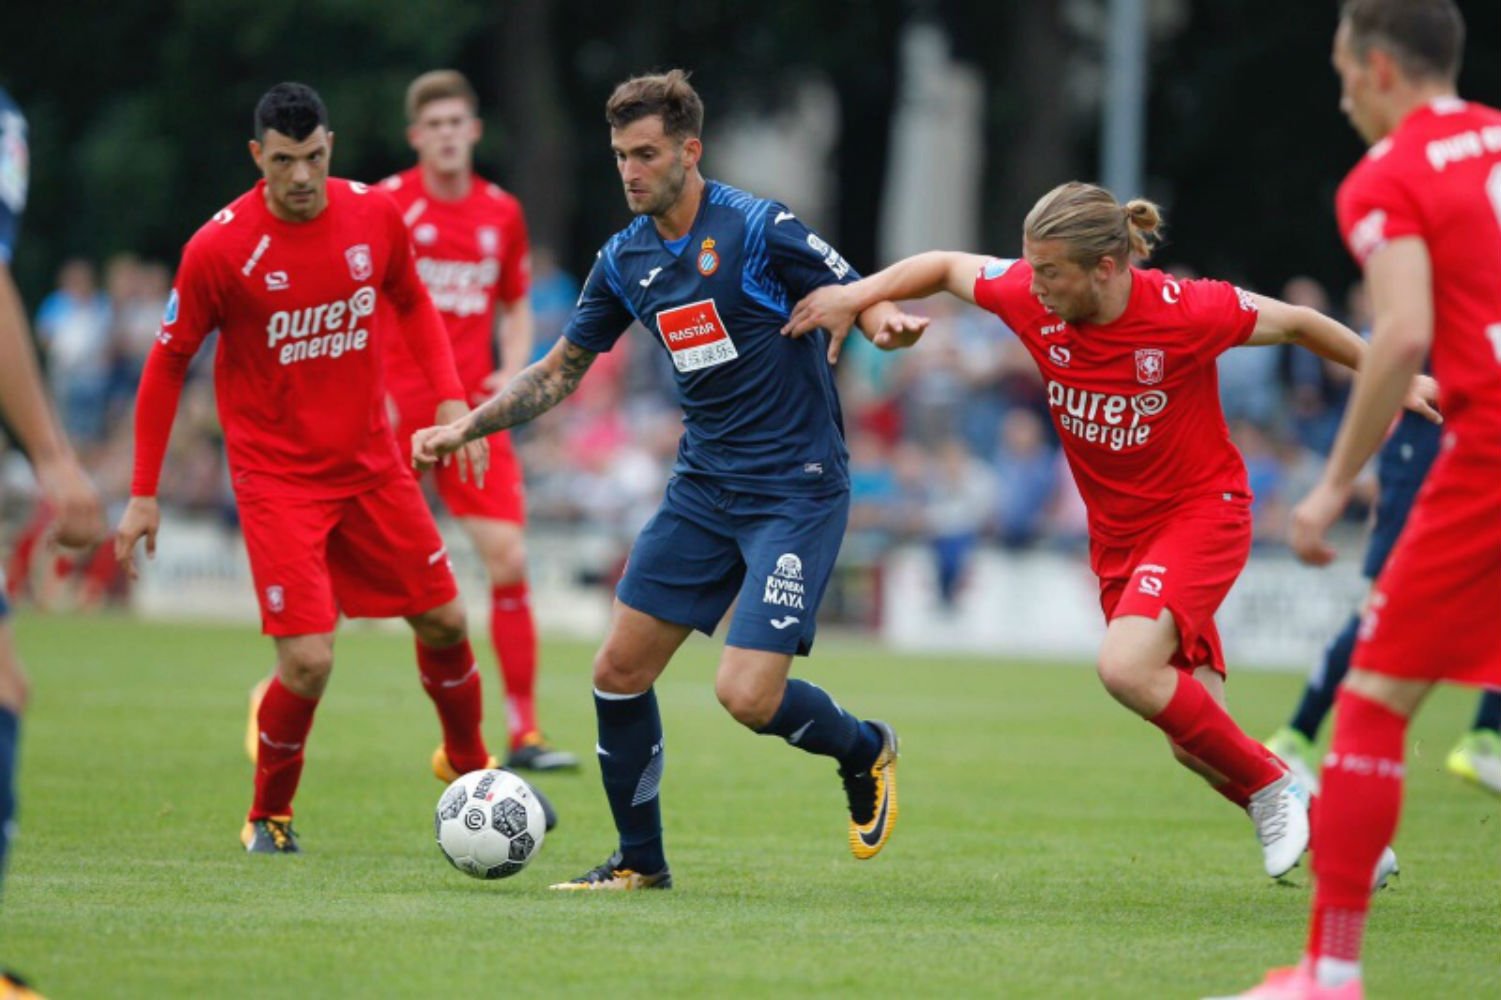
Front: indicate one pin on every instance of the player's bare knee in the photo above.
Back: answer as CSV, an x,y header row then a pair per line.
x,y
507,567
616,673
305,672
749,704
442,627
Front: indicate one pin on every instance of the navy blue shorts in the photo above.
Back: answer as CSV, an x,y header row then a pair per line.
x,y
706,546
1400,470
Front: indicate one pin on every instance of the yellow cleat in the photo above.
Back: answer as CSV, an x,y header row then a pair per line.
x,y
872,798
445,772
253,726
272,835
1477,759
610,877
13,987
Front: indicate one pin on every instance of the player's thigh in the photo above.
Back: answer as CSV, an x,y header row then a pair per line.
x,y
501,546
1186,568
1136,645
286,539
790,546
685,566
385,555
636,650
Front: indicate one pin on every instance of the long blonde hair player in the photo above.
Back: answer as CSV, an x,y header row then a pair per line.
x,y
1128,357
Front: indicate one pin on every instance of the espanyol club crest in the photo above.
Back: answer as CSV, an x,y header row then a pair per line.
x,y
708,259
360,267
488,238
1149,362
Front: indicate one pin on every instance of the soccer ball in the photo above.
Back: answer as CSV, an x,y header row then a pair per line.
x,y
489,824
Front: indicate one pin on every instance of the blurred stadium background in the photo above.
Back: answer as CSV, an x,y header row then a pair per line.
x,y
891,126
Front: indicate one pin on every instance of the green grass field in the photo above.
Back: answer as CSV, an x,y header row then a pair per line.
x,y
1047,847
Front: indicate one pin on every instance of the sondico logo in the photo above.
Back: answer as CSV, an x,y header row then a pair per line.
x,y
330,330
1104,418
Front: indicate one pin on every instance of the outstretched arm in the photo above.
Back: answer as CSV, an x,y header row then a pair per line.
x,y
836,307
1278,322
537,389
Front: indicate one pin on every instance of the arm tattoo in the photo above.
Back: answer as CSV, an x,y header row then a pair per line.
x,y
536,390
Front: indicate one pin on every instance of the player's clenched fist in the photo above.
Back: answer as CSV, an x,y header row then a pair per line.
x,y
430,445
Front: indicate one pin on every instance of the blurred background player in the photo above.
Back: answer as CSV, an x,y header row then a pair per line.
x,y
292,273
1128,355
1401,466
65,487
473,255
760,495
1421,214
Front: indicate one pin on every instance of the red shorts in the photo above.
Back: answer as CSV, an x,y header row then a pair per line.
x,y
375,554
1186,566
1435,610
501,498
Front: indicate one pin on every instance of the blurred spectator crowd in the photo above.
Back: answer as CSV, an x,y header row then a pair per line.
x,y
951,445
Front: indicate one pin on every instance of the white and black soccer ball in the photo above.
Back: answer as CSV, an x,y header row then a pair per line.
x,y
489,824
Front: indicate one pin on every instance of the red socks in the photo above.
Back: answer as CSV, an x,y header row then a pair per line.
x,y
1356,819
452,682
514,634
284,720
1197,723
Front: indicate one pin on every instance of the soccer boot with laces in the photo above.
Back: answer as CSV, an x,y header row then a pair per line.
x,y
612,876
1280,814
535,755
1477,759
253,726
272,835
872,798
445,772
1296,751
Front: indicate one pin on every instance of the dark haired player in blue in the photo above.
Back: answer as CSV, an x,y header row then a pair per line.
x,y
1401,468
23,404
759,498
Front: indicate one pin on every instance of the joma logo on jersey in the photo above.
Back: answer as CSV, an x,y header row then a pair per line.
x,y
320,331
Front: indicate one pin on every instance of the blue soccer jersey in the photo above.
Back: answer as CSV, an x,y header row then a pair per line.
x,y
13,175
760,412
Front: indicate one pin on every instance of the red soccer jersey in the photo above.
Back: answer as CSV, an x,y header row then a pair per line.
x,y
473,254
1438,177
298,370
1135,401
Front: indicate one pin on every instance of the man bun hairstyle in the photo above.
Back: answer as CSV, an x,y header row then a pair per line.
x,y
1094,224
293,109
1425,37
438,85
667,95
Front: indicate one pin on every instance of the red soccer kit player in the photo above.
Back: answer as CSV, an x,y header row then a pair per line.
x,y
1421,213
1128,357
292,275
474,256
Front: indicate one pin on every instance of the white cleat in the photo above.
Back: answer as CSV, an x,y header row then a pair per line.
x,y
1280,814
1386,870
